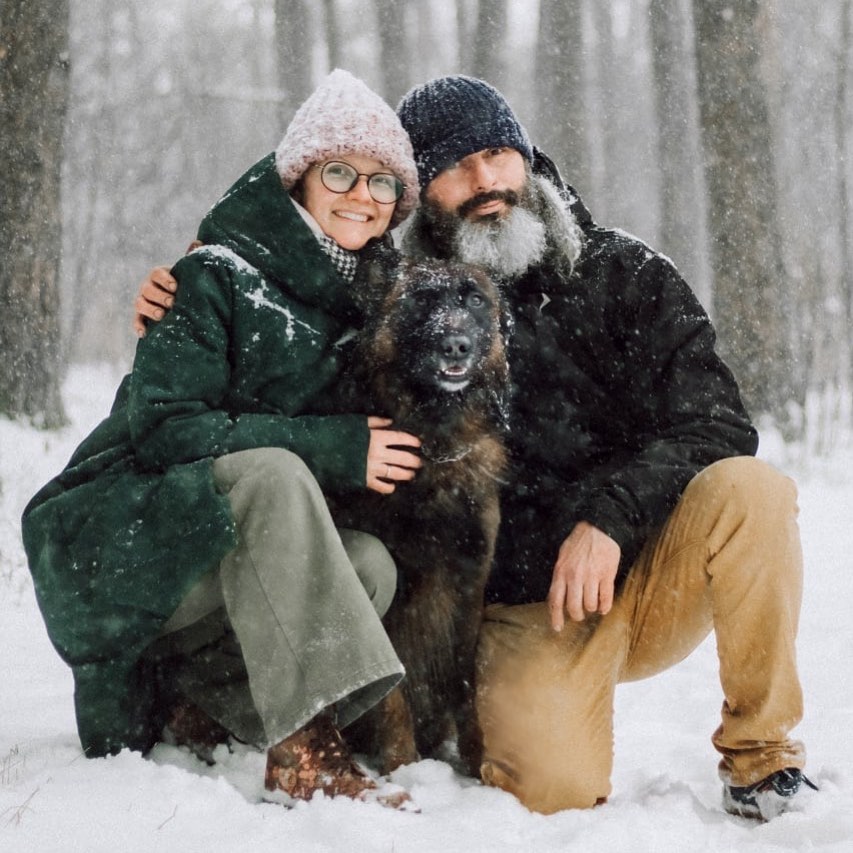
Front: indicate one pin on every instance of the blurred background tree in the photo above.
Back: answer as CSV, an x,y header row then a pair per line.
x,y
716,131
33,100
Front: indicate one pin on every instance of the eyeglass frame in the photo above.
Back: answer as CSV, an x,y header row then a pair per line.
x,y
322,167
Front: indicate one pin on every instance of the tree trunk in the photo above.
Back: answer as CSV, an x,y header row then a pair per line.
x,y
750,293
465,36
333,34
842,129
490,43
395,58
561,126
682,188
33,101
292,35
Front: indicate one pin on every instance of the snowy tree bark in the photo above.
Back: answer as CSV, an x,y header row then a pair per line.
x,y
33,102
465,31
292,29
333,34
842,130
561,127
682,187
395,57
750,292
490,43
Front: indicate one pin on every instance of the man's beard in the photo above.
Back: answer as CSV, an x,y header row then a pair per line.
x,y
507,245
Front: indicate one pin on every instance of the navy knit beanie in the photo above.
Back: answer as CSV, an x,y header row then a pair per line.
x,y
451,117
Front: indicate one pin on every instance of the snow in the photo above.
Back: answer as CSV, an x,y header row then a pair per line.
x,y
666,794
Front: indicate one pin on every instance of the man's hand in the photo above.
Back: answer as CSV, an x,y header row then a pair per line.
x,y
386,463
584,575
156,296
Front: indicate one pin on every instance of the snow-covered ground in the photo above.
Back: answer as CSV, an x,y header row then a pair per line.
x,y
666,797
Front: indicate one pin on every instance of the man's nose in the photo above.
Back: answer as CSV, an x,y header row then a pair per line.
x,y
483,176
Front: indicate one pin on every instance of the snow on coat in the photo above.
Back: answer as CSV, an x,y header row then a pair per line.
x,y
247,358
620,399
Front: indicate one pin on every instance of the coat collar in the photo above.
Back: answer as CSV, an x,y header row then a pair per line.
x,y
257,219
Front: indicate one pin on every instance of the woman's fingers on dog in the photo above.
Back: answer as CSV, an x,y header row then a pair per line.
x,y
400,472
391,437
387,460
403,459
395,444
406,439
378,482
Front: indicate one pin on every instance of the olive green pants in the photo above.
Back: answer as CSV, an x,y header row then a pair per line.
x,y
289,623
728,559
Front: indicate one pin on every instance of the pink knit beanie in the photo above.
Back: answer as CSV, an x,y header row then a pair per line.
x,y
343,116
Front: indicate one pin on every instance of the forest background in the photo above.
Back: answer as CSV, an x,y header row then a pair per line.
x,y
716,130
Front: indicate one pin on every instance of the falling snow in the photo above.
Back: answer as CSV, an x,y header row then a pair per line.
x,y
666,793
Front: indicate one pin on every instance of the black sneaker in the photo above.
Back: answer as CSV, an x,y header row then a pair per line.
x,y
768,798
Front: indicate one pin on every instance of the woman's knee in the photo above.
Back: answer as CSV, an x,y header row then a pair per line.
x,y
265,468
374,566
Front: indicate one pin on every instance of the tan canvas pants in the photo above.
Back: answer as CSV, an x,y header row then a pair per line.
x,y
728,559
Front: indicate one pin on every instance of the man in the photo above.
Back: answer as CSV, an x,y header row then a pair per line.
x,y
634,506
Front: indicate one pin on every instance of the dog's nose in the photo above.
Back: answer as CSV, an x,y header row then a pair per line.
x,y
456,346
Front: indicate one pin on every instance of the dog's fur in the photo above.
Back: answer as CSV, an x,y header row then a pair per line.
x,y
432,358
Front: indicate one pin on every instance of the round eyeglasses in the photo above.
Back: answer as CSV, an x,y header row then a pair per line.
x,y
384,188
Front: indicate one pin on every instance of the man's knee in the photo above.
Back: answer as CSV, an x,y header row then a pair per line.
x,y
747,481
545,706
751,509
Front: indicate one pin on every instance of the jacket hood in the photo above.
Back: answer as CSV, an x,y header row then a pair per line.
x,y
544,165
256,219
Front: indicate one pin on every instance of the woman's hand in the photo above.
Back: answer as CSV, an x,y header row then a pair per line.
x,y
156,296
387,463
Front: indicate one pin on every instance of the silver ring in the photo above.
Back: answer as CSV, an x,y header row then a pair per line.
x,y
387,472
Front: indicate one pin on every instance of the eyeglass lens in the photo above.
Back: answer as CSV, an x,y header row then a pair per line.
x,y
383,187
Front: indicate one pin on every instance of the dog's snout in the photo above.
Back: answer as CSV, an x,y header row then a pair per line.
x,y
456,346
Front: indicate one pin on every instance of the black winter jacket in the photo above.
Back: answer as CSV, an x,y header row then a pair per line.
x,y
619,400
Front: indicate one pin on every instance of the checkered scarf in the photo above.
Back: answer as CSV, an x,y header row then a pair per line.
x,y
342,260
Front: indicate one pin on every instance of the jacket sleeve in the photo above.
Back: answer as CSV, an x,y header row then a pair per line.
x,y
680,406
178,405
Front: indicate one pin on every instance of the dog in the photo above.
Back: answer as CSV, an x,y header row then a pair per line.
x,y
432,358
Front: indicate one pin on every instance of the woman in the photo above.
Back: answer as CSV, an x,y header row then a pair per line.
x,y
185,562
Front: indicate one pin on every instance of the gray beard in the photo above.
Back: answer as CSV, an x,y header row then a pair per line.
x,y
506,247
540,225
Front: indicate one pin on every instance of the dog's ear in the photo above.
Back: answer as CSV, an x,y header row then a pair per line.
x,y
378,265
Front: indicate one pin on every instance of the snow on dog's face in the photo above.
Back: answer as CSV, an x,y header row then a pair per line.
x,y
442,322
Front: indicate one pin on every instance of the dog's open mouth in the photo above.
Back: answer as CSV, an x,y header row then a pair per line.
x,y
453,377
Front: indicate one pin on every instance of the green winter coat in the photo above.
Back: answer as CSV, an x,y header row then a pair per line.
x,y
249,357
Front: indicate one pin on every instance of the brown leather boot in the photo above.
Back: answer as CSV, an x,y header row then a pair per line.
x,y
316,758
189,726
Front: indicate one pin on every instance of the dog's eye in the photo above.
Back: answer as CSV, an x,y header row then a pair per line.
x,y
475,300
419,297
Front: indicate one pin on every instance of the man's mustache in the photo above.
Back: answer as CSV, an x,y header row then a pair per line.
x,y
509,196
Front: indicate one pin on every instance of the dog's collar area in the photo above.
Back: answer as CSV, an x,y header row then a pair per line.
x,y
447,457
